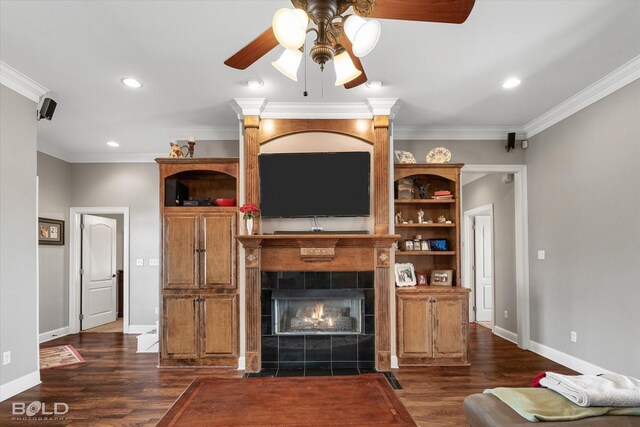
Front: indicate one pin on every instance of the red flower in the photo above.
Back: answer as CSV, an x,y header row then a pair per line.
x,y
249,210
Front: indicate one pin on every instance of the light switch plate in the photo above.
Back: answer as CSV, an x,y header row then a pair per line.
x,y
139,262
154,261
541,255
6,357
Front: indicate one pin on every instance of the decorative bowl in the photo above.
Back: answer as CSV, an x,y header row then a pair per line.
x,y
225,202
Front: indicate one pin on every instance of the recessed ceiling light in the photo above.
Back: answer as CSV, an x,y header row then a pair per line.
x,y
113,144
255,83
131,82
374,84
511,83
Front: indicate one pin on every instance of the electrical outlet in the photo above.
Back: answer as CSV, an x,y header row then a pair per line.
x,y
541,255
157,310
574,336
154,261
506,314
6,357
139,262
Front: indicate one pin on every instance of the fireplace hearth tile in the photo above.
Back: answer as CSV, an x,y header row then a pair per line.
x,y
365,279
291,349
369,302
291,280
269,365
369,324
318,348
346,371
366,348
317,280
344,279
344,348
318,373
269,347
318,365
291,369
266,325
344,365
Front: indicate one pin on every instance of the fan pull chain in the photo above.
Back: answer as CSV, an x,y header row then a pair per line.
x,y
304,56
322,82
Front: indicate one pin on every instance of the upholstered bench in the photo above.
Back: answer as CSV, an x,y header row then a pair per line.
x,y
486,410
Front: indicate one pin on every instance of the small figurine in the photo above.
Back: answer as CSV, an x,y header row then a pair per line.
x,y
192,146
410,221
442,219
429,221
420,216
399,219
423,190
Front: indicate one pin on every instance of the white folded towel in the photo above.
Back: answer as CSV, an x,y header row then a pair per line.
x,y
591,390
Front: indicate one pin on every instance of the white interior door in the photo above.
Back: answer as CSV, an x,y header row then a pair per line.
x,y
98,271
484,268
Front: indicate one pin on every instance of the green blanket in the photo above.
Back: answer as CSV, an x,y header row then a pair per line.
x,y
541,404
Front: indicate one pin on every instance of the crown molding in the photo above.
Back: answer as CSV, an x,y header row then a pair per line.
x,y
456,133
248,106
316,110
53,151
15,80
610,83
384,106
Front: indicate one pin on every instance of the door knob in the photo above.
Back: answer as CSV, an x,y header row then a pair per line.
x,y
113,275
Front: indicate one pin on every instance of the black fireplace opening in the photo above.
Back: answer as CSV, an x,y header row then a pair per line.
x,y
318,320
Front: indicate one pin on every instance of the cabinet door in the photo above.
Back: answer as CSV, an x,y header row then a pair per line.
x,y
218,249
179,258
414,332
180,327
449,338
218,316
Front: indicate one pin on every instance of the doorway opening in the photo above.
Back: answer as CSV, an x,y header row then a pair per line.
x,y
99,270
495,264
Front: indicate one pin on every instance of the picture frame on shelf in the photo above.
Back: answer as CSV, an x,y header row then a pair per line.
x,y
405,275
50,231
422,279
424,245
405,189
441,278
438,244
408,245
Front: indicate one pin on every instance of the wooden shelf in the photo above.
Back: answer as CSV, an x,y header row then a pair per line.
x,y
423,201
434,225
425,253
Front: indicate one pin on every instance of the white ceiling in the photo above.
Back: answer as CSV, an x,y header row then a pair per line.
x,y
445,75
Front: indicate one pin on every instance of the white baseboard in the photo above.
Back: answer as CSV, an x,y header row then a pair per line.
x,y
52,335
19,385
394,362
139,329
567,360
507,335
241,364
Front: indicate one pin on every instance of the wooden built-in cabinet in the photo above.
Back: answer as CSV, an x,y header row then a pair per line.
x,y
433,321
199,310
433,326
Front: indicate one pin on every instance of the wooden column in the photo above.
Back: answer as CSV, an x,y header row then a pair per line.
x,y
253,311
383,317
381,173
251,151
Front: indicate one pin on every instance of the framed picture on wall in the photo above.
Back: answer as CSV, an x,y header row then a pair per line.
x,y
50,231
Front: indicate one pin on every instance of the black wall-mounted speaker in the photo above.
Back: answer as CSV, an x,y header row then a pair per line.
x,y
511,141
47,109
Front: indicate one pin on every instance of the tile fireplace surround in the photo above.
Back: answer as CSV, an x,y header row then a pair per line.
x,y
338,261
323,351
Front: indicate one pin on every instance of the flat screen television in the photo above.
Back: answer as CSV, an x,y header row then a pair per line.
x,y
314,184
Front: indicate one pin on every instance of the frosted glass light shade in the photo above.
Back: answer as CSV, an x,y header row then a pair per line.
x,y
345,70
290,27
364,35
288,63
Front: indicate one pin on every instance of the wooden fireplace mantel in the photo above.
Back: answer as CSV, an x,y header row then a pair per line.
x,y
324,252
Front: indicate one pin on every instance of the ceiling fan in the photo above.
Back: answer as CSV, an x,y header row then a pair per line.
x,y
339,37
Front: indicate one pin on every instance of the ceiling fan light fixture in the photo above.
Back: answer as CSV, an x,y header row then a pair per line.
x,y
290,27
345,69
511,83
364,35
288,63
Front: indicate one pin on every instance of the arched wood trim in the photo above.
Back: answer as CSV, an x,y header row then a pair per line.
x,y
271,129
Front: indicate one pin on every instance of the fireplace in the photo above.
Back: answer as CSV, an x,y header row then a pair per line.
x,y
318,311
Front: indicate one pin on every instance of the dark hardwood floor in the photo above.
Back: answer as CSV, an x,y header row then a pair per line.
x,y
117,387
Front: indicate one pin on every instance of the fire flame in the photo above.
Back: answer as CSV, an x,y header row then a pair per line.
x,y
318,312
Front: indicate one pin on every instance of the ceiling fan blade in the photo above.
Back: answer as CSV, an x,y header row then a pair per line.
x,y
362,78
445,11
253,51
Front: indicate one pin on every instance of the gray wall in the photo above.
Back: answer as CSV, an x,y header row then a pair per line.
x,y
54,201
18,235
134,185
584,211
486,190
469,152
